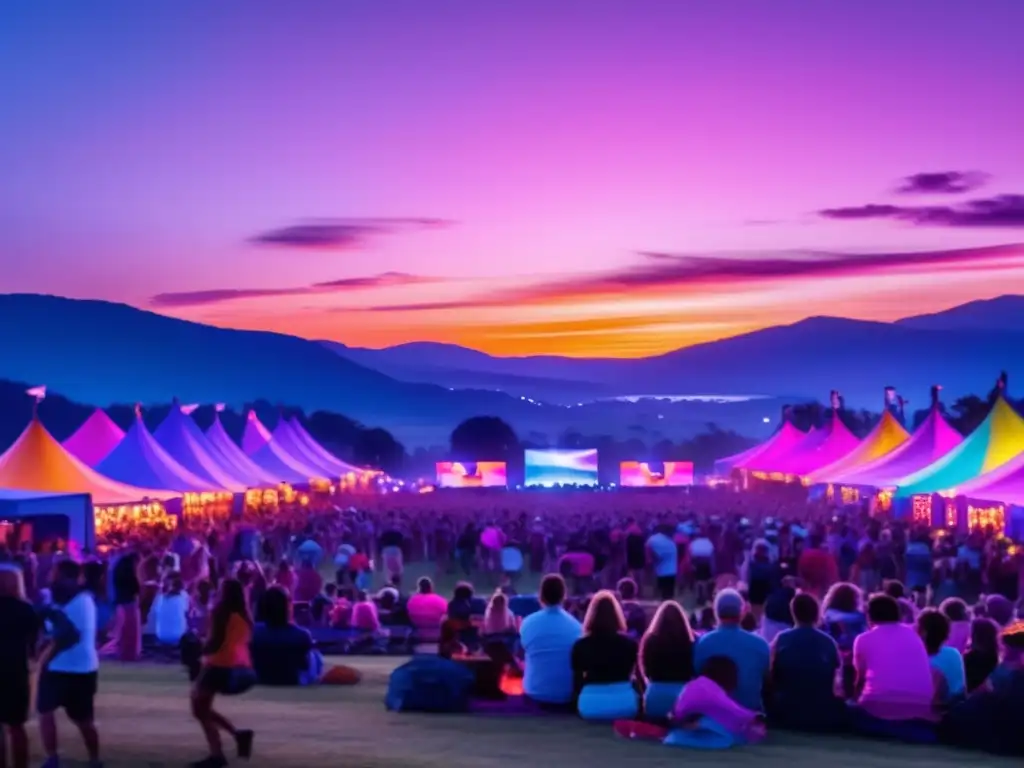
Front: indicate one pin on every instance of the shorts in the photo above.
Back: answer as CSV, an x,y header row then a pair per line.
x,y
636,561
392,559
15,696
74,692
667,587
702,569
226,681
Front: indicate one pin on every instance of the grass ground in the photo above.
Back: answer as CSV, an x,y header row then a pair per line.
x,y
144,723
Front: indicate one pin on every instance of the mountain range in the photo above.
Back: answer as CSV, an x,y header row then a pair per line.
x,y
104,353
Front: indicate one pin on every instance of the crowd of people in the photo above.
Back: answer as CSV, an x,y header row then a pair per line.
x,y
796,615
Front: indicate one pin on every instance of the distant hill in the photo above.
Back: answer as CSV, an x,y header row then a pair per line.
x,y
1005,313
103,353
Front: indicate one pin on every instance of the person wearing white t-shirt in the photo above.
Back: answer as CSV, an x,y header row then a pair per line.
x,y
70,666
702,558
171,610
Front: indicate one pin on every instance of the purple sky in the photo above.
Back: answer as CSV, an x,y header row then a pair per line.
x,y
424,157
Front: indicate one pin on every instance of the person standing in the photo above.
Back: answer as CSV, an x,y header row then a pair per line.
x,y
17,644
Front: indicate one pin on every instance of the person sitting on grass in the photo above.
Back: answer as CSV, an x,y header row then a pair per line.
x,y
603,663
803,671
636,616
364,615
748,651
171,608
982,656
282,652
547,638
426,608
959,615
666,660
933,626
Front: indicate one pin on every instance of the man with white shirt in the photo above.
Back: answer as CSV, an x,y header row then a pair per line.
x,y
68,680
702,559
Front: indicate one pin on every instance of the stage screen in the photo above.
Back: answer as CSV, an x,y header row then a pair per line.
x,y
471,474
655,474
548,468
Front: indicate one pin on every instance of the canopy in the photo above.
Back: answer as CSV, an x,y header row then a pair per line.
x,y
829,444
997,440
234,458
777,452
274,458
37,462
785,439
140,460
188,446
306,439
284,436
76,507
95,439
887,435
255,435
931,441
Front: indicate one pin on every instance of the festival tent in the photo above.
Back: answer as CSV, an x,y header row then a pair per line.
x,y
255,435
37,462
34,507
887,435
835,442
95,439
306,439
233,457
284,437
765,460
785,439
188,446
274,458
139,459
930,442
995,442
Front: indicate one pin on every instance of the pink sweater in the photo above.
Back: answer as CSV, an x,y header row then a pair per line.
x,y
705,698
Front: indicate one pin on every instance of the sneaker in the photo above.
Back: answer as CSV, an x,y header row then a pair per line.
x,y
243,741
213,761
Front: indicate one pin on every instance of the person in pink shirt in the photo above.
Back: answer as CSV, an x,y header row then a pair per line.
x,y
959,615
364,614
894,679
426,608
308,583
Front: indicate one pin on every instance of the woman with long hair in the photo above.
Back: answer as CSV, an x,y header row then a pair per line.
x,y
498,618
844,617
17,645
226,670
603,662
666,659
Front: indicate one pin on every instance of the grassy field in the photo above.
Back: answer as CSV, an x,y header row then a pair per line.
x,y
144,721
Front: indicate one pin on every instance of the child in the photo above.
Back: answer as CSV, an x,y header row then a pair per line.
x,y
704,716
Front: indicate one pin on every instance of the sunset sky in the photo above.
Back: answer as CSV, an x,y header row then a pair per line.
x,y
605,178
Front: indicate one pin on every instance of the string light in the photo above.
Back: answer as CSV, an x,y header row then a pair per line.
x,y
952,514
849,495
125,518
885,501
921,513
982,518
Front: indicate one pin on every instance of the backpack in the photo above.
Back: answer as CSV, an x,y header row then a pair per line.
x,y
429,684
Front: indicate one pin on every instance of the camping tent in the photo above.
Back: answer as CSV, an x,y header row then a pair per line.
x,y
930,441
139,459
887,435
234,458
95,439
274,458
37,462
819,448
999,438
188,446
785,439
76,507
307,440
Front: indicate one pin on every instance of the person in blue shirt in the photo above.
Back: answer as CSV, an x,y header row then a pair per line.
x,y
749,652
282,652
547,637
664,555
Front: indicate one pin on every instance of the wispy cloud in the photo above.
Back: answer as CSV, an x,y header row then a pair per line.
x,y
669,271
220,295
942,183
342,234
1001,211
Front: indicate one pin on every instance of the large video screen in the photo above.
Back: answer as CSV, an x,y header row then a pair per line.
x,y
472,474
655,474
548,468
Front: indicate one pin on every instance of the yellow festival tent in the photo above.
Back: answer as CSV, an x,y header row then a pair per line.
x,y
887,436
37,462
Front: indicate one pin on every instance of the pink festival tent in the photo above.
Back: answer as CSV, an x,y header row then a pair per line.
x,y
274,458
829,444
139,460
785,439
95,439
930,442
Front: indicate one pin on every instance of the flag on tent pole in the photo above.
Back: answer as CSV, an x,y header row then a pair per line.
x,y
38,393
189,409
219,407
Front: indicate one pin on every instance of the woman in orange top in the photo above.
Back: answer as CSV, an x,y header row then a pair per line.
x,y
227,670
